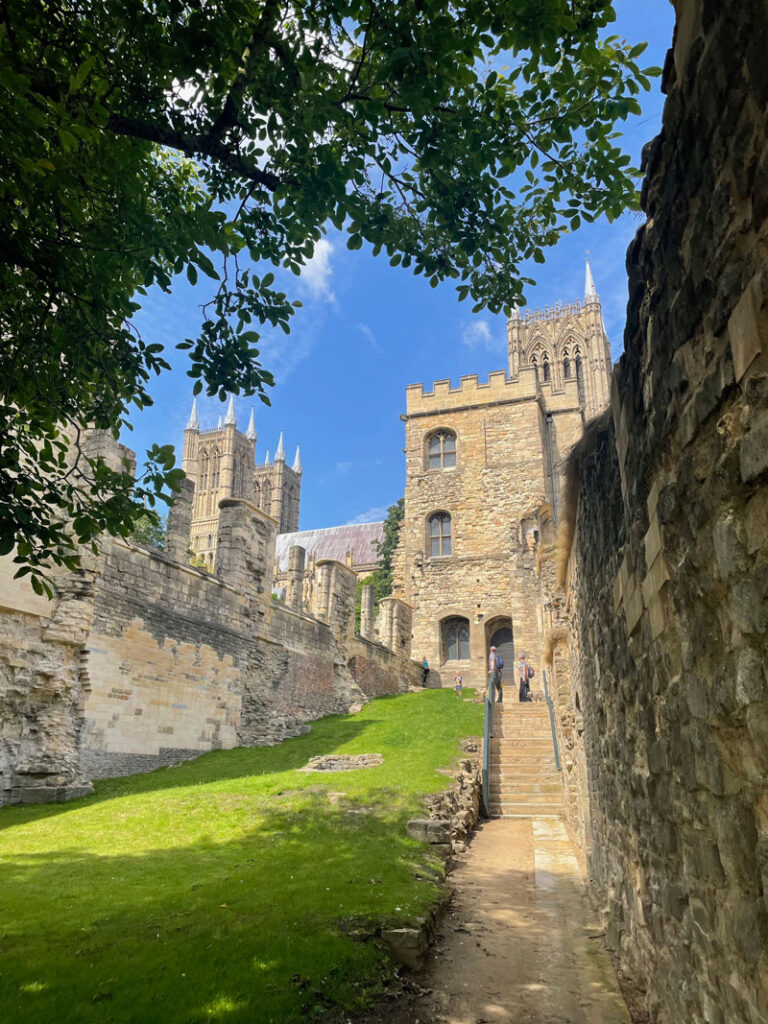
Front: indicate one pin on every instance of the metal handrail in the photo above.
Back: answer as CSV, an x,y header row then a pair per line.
x,y
486,770
551,720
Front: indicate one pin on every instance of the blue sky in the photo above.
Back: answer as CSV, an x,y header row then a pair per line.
x,y
367,330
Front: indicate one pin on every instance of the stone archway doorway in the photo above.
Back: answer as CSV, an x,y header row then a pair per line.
x,y
499,634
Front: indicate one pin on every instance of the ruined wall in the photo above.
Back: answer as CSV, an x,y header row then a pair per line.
x,y
671,551
142,660
42,688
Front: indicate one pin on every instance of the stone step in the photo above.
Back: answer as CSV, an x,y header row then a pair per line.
x,y
522,756
509,786
526,810
495,816
523,737
512,774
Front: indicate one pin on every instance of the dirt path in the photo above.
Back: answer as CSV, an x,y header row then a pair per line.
x,y
519,944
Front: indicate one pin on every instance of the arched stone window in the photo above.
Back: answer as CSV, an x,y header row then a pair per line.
x,y
439,541
241,476
566,365
454,636
215,469
441,450
545,367
579,374
266,497
535,365
204,471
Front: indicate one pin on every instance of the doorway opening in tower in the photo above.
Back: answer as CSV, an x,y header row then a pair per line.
x,y
498,634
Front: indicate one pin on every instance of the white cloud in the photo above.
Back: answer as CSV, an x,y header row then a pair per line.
x,y
317,273
478,334
343,467
371,515
366,330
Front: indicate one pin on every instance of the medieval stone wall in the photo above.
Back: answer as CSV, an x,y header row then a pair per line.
x,y
670,558
141,660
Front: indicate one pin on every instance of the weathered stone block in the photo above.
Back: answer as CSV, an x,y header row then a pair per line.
x,y
429,830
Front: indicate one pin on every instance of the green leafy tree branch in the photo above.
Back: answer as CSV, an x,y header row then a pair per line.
x,y
217,140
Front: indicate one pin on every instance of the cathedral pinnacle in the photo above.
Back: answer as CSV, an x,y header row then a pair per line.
x,y
515,314
230,420
590,295
266,461
194,423
251,432
280,453
296,467
219,424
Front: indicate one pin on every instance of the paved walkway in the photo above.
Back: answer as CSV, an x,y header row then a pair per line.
x,y
519,944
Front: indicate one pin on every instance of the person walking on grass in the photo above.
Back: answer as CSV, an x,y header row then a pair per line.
x,y
425,671
458,682
495,665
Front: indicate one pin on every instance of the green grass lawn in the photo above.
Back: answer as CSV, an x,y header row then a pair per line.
x,y
229,889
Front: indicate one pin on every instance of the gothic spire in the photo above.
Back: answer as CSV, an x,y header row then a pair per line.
x,y
296,467
266,461
251,432
516,314
230,420
590,295
194,423
280,453
219,427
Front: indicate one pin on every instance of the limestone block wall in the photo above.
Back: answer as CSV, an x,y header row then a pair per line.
x,y
166,655
671,551
42,688
142,660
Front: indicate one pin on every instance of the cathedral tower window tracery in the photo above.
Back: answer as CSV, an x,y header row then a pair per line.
x,y
455,638
439,535
441,450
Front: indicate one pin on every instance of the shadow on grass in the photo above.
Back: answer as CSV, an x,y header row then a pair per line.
x,y
250,929
215,766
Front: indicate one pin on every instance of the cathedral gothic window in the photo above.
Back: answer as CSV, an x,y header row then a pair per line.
x,y
545,367
441,450
215,468
566,365
204,471
439,535
455,639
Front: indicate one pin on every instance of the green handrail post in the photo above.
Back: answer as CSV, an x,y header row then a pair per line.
x,y
552,721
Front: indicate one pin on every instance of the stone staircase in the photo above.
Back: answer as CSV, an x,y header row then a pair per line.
x,y
524,780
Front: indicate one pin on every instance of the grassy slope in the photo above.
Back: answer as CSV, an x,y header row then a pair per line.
x,y
224,889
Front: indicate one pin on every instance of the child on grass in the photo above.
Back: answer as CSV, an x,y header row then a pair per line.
x,y
458,682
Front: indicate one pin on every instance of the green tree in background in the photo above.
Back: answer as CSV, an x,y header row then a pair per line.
x,y
219,138
382,577
149,530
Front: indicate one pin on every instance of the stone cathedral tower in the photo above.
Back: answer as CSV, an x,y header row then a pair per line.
x,y
222,464
484,488
565,342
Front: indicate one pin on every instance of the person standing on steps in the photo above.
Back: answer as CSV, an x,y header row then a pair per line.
x,y
495,665
425,672
525,673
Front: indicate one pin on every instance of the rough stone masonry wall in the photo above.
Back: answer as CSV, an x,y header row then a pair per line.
x,y
141,661
671,550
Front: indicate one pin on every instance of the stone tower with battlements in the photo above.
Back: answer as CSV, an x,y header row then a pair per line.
x,y
484,487
222,464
